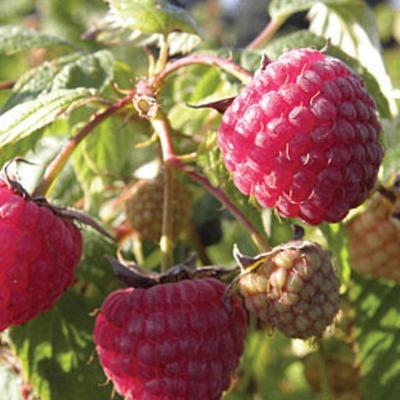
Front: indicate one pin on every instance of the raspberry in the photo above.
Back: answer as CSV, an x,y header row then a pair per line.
x,y
342,374
38,254
302,137
374,240
144,207
294,290
172,341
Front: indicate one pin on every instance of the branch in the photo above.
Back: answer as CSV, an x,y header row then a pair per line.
x,y
161,126
224,199
226,65
55,166
266,34
7,85
171,159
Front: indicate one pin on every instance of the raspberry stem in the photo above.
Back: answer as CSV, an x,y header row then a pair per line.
x,y
57,164
161,126
169,157
5,85
163,56
266,34
226,65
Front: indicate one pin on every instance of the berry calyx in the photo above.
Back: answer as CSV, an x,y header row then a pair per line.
x,y
172,340
143,206
293,288
39,251
302,137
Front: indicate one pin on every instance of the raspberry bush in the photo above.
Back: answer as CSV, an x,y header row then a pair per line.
x,y
143,143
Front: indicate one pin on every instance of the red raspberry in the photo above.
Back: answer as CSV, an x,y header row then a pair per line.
x,y
294,290
302,137
38,254
374,239
172,341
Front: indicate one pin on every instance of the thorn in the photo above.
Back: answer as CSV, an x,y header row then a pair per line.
x,y
387,194
220,105
298,232
326,46
265,61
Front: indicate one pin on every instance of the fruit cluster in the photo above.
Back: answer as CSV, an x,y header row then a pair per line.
x,y
303,138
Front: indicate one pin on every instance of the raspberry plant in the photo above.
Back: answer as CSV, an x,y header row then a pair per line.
x,y
145,120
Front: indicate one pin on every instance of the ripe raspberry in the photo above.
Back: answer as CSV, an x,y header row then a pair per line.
x,y
302,137
144,207
374,240
295,290
172,341
38,254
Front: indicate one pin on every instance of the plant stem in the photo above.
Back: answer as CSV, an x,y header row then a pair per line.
x,y
170,158
229,66
161,126
224,199
55,166
163,57
266,34
7,85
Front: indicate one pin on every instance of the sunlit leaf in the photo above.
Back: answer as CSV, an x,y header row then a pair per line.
x,y
14,39
351,26
25,119
377,336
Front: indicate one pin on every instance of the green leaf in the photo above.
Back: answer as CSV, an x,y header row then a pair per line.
x,y
336,238
308,39
197,85
20,147
55,349
352,27
14,39
118,28
377,335
103,156
152,16
280,10
25,119
94,70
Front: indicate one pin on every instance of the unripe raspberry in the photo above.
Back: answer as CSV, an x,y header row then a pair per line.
x,y
374,240
144,207
294,290
337,361
302,137
39,252
171,341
